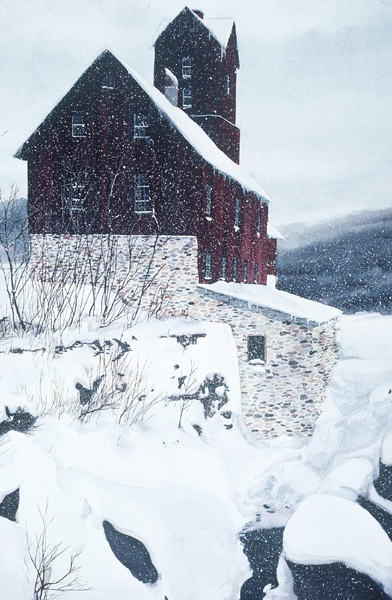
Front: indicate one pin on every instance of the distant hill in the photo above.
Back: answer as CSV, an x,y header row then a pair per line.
x,y
345,262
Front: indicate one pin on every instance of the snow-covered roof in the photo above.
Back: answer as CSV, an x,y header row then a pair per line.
x,y
198,139
277,300
220,29
171,76
194,134
272,232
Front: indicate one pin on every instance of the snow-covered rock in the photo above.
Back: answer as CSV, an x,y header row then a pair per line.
x,y
326,529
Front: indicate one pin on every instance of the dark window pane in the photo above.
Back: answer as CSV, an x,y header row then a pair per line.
x,y
256,348
140,125
109,82
186,67
245,270
79,124
207,265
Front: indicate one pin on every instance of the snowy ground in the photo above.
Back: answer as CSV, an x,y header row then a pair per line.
x,y
182,484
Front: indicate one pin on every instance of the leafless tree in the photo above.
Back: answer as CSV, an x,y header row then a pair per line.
x,y
14,253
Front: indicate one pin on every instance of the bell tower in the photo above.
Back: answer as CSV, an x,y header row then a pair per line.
x,y
202,55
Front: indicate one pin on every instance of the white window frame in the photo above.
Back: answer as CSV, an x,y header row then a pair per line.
x,y
186,67
187,97
78,192
142,198
141,126
79,124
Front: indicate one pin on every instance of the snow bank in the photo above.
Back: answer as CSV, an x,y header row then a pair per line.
x,y
366,336
327,529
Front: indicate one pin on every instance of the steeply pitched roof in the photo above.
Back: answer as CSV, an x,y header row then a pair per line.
x,y
197,138
272,232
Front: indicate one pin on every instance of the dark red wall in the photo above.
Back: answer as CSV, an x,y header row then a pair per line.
x,y
186,36
111,157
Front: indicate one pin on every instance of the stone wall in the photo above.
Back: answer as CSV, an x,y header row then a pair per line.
x,y
284,395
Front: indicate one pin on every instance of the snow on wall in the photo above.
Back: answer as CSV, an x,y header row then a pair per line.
x,y
283,395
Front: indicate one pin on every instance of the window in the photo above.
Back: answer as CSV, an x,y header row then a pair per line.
x,y
186,67
78,124
109,82
228,84
207,265
256,273
237,213
245,270
224,268
140,125
143,202
208,200
78,192
258,222
187,97
235,269
256,349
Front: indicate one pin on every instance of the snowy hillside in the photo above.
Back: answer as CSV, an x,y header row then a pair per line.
x,y
345,262
126,471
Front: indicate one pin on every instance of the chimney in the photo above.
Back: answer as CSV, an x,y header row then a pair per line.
x,y
171,87
198,12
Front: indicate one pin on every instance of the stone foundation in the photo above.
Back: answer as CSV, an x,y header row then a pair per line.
x,y
284,395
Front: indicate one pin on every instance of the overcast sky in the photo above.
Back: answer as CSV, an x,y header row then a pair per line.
x,y
314,88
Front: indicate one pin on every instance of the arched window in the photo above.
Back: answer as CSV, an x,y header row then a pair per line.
x,y
224,267
237,213
208,200
207,265
258,221
245,270
235,269
228,84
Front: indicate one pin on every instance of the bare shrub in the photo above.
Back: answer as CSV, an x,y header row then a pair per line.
x,y
51,578
121,386
13,254
96,275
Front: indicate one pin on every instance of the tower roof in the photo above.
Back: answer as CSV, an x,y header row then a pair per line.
x,y
219,29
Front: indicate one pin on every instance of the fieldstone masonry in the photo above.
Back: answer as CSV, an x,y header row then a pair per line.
x,y
282,396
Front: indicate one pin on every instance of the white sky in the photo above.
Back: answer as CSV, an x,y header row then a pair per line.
x,y
314,89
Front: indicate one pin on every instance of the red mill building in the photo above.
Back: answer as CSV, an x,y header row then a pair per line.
x,y
119,157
